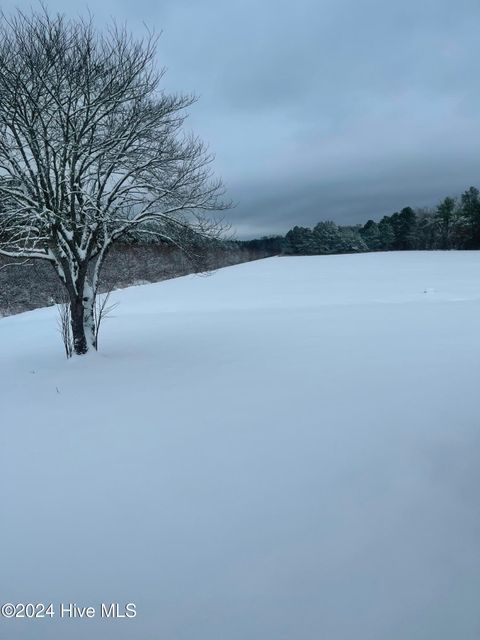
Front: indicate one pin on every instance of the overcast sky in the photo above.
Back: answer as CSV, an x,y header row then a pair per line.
x,y
322,109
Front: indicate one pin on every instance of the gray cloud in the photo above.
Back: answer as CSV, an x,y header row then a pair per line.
x,y
323,108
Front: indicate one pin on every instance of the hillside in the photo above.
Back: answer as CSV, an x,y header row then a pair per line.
x,y
36,284
286,449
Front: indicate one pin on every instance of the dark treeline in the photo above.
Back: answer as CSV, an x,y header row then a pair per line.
x,y
453,224
261,247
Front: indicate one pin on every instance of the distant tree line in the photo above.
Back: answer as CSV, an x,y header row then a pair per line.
x,y
136,260
453,224
141,257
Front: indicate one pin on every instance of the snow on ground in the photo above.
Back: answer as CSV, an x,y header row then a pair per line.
x,y
285,450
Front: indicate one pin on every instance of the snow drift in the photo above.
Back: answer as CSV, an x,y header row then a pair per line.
x,y
287,449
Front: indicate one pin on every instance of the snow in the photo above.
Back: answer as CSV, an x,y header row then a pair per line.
x,y
284,450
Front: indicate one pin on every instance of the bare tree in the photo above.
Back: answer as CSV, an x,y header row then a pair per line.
x,y
91,148
65,327
102,310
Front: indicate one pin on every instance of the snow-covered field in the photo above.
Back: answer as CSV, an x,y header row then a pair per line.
x,y
285,450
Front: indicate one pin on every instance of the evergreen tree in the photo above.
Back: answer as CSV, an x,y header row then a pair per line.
x,y
351,241
387,234
327,237
406,229
427,232
300,241
445,221
470,211
371,235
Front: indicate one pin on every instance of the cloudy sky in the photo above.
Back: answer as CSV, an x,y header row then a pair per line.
x,y
321,109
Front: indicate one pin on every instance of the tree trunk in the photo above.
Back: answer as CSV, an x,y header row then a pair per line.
x,y
83,323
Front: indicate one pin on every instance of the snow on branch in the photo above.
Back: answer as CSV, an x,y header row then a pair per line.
x,y
92,147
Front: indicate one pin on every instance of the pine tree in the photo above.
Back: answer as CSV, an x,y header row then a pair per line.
x,y
470,211
300,241
371,235
387,234
445,220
